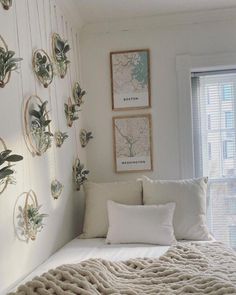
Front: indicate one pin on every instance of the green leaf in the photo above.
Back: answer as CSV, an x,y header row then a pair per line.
x,y
14,158
6,173
35,114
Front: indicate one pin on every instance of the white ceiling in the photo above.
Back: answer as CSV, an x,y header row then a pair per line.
x,y
92,11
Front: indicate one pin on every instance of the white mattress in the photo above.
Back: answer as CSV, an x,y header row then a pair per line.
x,y
78,250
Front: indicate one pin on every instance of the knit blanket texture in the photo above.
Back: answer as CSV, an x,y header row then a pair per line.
x,y
186,268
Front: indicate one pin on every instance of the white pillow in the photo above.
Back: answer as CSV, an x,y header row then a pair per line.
x,y
96,197
190,199
140,224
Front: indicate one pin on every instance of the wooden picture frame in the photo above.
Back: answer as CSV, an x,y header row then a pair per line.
x,y
130,79
132,137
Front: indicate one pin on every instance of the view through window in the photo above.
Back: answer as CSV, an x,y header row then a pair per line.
x,y
214,129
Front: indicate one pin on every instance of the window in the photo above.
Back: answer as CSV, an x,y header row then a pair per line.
x,y
227,91
229,119
209,151
214,136
209,122
228,149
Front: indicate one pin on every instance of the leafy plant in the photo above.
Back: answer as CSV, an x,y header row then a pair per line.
x,y
31,220
78,94
85,136
43,67
40,127
71,113
6,4
60,137
60,49
7,64
80,174
6,172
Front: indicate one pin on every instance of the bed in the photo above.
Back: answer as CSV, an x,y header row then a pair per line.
x,y
139,220
212,271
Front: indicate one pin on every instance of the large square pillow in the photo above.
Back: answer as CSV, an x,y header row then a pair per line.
x,y
96,197
140,224
190,199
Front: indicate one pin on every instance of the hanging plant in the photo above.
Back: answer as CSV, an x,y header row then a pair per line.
x,y
6,4
43,67
60,137
78,94
80,174
60,49
30,219
56,189
8,63
6,171
85,136
37,126
71,112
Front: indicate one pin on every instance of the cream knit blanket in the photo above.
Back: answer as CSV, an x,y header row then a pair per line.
x,y
189,268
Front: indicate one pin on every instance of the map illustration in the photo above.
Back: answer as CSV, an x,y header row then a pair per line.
x,y
132,143
130,73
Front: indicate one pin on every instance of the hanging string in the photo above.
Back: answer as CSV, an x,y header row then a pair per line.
x,y
49,89
54,82
22,89
31,42
75,56
70,83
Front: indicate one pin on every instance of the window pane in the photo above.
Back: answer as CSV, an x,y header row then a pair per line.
x,y
215,149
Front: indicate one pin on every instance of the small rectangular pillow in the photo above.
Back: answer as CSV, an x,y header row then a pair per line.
x,y
96,197
189,195
140,224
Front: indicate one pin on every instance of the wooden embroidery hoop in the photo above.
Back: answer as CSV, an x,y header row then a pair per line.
x,y
3,44
29,142
34,66
61,72
30,195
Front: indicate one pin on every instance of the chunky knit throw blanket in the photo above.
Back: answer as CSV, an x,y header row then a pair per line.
x,y
186,268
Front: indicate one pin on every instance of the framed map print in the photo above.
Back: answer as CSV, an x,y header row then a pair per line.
x,y
130,79
132,143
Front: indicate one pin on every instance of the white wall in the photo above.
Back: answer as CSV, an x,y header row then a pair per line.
x,y
17,258
166,37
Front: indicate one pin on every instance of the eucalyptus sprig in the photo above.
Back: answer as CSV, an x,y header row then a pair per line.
x,y
71,112
43,67
80,173
40,127
61,48
7,64
6,160
78,94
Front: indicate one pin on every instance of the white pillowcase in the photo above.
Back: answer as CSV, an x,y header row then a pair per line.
x,y
96,197
140,224
190,199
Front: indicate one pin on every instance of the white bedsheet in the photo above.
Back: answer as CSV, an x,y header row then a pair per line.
x,y
78,250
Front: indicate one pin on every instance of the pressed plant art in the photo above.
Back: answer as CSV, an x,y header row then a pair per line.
x,y
78,94
60,48
8,63
80,174
85,137
37,126
6,166
56,189
30,218
60,137
43,67
71,112
6,4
